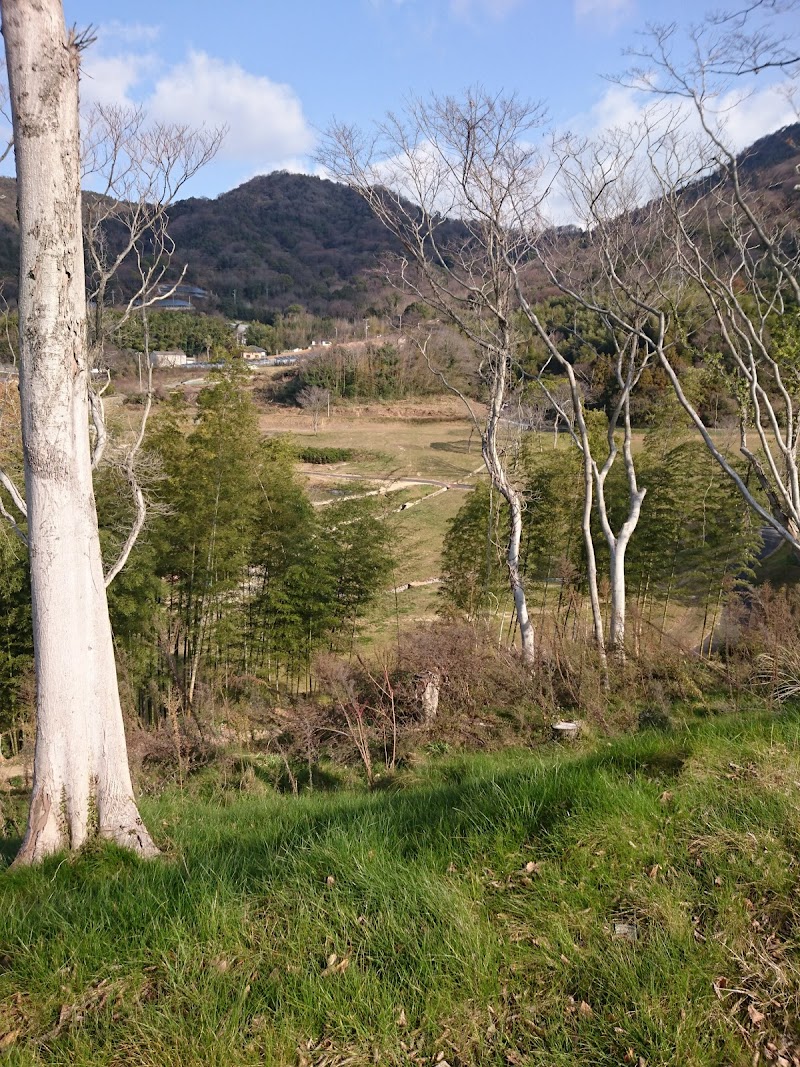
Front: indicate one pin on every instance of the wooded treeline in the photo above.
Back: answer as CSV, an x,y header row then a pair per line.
x,y
236,579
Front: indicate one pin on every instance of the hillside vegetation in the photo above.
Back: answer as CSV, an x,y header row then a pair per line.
x,y
282,239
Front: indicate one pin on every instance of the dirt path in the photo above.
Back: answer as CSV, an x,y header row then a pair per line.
x,y
11,768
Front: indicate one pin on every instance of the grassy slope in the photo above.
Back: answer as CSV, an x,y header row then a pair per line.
x,y
217,954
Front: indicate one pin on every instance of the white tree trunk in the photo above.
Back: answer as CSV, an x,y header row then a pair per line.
x,y
591,558
617,623
515,579
81,781
500,480
617,547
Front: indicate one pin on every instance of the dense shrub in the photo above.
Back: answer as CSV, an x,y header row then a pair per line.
x,y
322,454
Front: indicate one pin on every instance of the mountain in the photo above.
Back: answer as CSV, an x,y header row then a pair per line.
x,y
282,239
279,239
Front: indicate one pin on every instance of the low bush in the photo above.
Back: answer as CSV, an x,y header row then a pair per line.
x,y
324,454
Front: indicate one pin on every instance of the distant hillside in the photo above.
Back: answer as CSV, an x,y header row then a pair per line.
x,y
9,239
279,239
769,165
283,239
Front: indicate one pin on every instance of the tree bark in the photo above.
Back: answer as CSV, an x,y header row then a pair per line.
x,y
81,782
499,479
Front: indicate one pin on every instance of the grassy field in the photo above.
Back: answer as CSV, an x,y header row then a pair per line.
x,y
632,902
402,440
391,443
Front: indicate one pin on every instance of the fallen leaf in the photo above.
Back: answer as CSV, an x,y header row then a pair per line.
x,y
7,1040
756,1017
652,874
401,1018
666,797
334,967
585,1009
330,880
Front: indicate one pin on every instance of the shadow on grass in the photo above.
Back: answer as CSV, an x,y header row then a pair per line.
x,y
9,847
468,809
244,840
468,802
666,764
465,448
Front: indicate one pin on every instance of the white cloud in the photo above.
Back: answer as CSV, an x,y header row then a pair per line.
x,y
470,9
618,106
111,79
747,118
127,32
741,117
605,13
120,61
265,121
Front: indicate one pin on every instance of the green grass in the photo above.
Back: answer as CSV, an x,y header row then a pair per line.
x,y
475,903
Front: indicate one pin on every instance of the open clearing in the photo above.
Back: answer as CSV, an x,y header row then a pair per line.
x,y
393,443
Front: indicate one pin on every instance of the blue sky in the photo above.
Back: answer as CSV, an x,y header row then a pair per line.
x,y
276,73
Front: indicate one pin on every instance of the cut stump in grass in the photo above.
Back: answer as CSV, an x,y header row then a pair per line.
x,y
566,731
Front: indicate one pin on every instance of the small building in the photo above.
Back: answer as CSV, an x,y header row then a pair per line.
x,y
250,352
173,357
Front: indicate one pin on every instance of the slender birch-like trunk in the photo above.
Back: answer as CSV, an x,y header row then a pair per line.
x,y
81,782
500,480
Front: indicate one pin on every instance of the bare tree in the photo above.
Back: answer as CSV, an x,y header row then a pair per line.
x,y
315,400
600,193
81,778
451,179
713,242
139,167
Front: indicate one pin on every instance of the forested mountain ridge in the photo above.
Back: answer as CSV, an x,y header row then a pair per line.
x,y
281,239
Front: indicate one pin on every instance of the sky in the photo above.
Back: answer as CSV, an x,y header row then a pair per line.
x,y
276,73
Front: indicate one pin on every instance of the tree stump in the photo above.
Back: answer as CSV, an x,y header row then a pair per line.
x,y
428,686
566,731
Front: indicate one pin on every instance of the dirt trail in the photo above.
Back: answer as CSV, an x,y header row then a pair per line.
x,y
11,768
